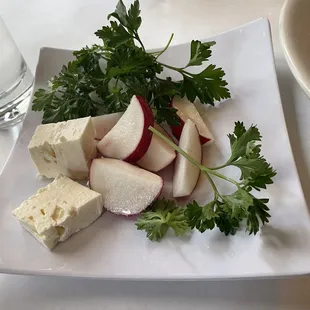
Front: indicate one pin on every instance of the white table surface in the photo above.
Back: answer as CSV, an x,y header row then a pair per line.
x,y
70,24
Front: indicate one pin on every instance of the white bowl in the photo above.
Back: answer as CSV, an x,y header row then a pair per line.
x,y
295,38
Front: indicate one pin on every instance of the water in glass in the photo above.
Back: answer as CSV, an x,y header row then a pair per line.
x,y
15,81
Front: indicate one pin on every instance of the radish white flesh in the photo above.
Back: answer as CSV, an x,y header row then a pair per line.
x,y
187,110
126,189
186,174
104,123
159,154
130,138
95,153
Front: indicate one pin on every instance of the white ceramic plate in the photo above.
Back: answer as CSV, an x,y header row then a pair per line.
x,y
113,248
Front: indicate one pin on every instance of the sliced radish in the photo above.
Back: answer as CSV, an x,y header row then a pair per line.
x,y
187,110
95,153
186,174
126,189
104,123
159,154
130,138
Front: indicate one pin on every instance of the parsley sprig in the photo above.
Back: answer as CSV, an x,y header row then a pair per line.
x,y
226,212
160,216
103,78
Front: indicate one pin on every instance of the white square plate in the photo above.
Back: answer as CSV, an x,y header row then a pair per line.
x,y
113,248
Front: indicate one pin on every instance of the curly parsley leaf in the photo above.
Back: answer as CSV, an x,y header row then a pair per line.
x,y
159,217
240,138
200,52
132,62
43,98
114,35
201,218
131,20
258,211
237,203
256,172
226,223
207,88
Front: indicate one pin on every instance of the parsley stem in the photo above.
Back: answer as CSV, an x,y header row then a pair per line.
x,y
192,160
166,47
219,167
139,40
221,176
202,168
180,70
216,193
176,148
171,67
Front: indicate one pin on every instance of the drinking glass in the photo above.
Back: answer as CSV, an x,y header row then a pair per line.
x,y
15,81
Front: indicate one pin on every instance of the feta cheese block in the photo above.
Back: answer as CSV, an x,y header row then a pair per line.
x,y
59,210
64,148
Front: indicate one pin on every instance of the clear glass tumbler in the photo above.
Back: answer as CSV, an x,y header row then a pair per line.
x,y
15,81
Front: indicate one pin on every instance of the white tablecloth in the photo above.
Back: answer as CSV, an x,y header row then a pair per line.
x,y
70,24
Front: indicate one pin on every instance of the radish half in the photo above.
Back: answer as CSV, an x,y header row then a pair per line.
x,y
186,174
130,138
187,110
159,154
95,153
104,123
126,189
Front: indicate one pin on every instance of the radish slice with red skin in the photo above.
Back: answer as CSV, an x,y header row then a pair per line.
x,y
159,154
104,123
130,138
187,110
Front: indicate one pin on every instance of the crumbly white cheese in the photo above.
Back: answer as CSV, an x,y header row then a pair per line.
x,y
64,148
59,210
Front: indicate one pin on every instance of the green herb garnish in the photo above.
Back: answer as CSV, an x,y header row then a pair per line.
x,y
160,216
103,78
226,212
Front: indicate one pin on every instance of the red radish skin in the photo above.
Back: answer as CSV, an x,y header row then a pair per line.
x,y
130,138
201,126
204,140
126,189
146,138
177,130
